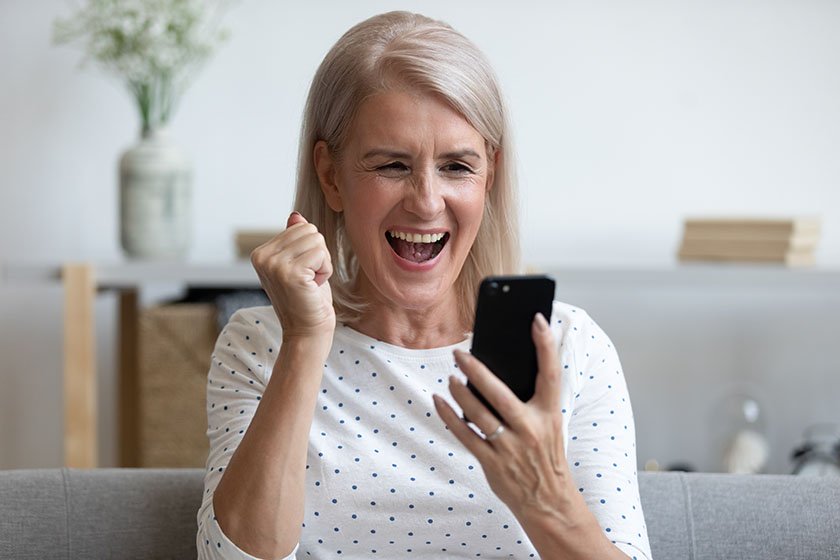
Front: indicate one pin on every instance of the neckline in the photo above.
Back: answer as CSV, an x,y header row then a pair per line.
x,y
351,334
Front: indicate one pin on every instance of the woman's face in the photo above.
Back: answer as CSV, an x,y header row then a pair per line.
x,y
411,181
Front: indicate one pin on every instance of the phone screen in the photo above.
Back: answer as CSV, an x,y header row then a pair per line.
x,y
502,333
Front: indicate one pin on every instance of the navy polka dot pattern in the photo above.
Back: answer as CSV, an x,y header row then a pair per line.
x,y
385,477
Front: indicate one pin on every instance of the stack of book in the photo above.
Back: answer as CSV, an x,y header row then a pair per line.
x,y
790,241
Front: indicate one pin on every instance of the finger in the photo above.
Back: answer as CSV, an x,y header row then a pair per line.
x,y
325,270
286,246
499,395
299,253
547,390
299,244
280,241
307,258
291,233
471,440
295,218
473,408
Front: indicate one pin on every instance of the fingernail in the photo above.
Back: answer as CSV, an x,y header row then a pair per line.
x,y
461,362
289,219
542,324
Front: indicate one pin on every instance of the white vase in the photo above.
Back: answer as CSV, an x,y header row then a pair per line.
x,y
155,198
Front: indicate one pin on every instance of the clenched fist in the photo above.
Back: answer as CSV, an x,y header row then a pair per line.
x,y
294,268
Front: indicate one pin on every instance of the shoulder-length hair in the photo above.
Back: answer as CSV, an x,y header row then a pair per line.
x,y
405,50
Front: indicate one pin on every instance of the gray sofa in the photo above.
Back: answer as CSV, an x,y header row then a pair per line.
x,y
150,513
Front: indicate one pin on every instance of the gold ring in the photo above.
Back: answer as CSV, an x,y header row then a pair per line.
x,y
499,431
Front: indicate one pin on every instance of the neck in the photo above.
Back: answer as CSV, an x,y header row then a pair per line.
x,y
432,327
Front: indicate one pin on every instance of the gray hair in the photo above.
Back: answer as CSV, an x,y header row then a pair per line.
x,y
405,50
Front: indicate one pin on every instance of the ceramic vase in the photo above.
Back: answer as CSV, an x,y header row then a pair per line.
x,y
155,198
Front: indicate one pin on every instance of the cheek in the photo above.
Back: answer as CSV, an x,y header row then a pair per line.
x,y
469,208
366,199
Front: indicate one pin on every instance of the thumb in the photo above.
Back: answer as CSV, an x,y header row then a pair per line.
x,y
295,218
548,379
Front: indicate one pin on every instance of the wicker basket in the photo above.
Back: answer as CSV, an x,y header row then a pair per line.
x,y
175,343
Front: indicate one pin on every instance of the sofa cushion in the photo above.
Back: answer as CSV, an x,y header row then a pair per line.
x,y
151,514
764,516
33,515
704,516
99,514
666,516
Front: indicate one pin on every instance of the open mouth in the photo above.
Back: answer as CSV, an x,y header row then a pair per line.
x,y
417,247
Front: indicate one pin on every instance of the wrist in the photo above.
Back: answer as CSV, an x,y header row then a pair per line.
x,y
302,355
567,519
308,339
569,530
308,334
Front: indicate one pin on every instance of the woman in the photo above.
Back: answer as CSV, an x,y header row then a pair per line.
x,y
328,434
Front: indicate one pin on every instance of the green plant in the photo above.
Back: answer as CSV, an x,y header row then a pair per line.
x,y
155,46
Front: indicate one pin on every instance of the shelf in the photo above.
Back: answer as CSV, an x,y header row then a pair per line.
x,y
700,275
82,281
135,274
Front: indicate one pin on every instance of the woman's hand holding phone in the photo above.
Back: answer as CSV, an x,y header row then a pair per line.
x,y
524,461
526,464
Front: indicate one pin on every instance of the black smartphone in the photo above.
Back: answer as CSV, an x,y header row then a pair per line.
x,y
502,333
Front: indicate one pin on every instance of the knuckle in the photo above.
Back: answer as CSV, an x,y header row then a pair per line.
x,y
504,405
274,265
257,258
509,408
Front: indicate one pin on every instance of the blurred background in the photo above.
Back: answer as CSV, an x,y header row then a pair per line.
x,y
628,118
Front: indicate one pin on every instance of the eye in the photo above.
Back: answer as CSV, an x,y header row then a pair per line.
x,y
395,165
393,169
456,168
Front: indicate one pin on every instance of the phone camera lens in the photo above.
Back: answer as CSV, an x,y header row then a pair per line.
x,y
493,288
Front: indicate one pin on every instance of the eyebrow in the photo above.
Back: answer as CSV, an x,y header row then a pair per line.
x,y
386,153
458,154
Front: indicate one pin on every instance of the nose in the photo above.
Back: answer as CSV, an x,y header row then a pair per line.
x,y
425,196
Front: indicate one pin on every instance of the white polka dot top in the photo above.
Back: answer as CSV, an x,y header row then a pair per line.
x,y
385,478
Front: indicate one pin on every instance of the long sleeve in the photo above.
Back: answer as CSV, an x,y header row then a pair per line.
x,y
601,439
385,478
242,359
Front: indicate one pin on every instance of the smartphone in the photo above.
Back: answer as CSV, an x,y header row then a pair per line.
x,y
502,333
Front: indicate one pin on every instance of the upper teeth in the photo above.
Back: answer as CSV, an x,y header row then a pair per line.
x,y
417,237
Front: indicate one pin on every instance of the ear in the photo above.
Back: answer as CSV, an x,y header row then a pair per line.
x,y
325,168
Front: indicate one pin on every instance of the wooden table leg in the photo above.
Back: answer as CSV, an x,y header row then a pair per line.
x,y
80,438
129,388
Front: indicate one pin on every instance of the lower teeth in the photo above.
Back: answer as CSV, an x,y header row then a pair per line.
x,y
411,251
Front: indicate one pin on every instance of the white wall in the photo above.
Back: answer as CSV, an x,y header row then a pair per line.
x,y
628,116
